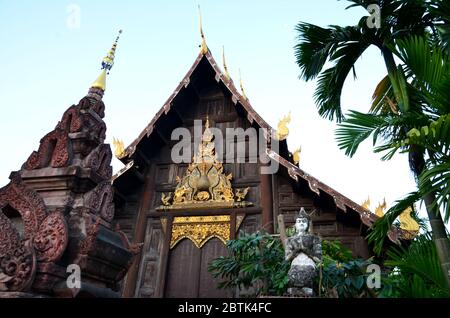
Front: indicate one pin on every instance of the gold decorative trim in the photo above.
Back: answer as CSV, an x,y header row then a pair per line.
x,y
200,229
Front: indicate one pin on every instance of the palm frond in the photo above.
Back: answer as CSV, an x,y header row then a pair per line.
x,y
355,129
436,180
420,267
379,230
313,49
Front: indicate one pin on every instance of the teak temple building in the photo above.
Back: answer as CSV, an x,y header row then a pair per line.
x,y
152,229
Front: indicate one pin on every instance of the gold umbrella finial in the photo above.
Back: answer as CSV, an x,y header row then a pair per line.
x,y
107,64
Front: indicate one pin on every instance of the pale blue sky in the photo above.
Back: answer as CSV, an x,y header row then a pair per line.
x,y
46,66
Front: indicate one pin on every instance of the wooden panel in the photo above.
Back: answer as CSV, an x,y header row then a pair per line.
x,y
151,255
183,271
207,283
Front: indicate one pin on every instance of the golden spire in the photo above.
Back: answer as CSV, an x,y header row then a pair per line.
x,y
107,64
379,210
225,68
283,131
242,87
296,155
204,48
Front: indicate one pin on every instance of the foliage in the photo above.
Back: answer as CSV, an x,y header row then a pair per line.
x,y
410,106
254,261
342,275
417,272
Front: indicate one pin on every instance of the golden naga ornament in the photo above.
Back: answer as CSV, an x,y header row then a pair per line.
x,y
282,130
366,204
379,210
200,229
204,184
119,148
408,224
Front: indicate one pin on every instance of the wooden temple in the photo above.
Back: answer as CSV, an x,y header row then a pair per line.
x,y
152,229
184,213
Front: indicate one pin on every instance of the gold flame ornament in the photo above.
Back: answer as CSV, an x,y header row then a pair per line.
x,y
296,155
366,204
408,224
283,131
119,149
379,210
203,47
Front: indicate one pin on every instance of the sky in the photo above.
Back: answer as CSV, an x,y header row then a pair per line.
x,y
51,53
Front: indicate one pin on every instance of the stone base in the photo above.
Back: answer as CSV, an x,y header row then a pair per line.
x,y
301,292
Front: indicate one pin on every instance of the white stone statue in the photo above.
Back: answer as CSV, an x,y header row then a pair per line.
x,y
304,250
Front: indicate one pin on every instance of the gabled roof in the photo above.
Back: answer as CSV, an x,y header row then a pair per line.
x,y
342,202
252,115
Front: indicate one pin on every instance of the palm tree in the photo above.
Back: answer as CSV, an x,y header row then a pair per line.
x,y
397,107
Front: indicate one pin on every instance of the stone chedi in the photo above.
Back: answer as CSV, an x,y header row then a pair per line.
x,y
304,251
56,213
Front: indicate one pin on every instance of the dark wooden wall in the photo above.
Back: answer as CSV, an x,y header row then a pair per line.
x,y
159,271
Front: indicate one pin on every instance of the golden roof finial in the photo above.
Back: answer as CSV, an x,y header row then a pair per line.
x,y
107,64
296,155
204,47
283,131
225,68
242,87
379,210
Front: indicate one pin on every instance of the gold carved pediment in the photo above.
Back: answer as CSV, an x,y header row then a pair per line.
x,y
204,184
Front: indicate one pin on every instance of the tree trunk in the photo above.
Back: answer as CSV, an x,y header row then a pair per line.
x,y
439,233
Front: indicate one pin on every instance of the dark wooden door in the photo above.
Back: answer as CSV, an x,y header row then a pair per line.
x,y
187,272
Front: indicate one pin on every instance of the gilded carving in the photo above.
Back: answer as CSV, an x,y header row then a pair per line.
x,y
200,229
204,184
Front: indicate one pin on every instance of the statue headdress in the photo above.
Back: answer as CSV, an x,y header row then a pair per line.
x,y
304,215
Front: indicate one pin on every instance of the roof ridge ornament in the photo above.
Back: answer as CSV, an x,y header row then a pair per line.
x,y
225,68
107,64
242,87
203,47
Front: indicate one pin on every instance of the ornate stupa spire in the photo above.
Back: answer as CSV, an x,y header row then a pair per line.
x,y
204,47
225,68
107,64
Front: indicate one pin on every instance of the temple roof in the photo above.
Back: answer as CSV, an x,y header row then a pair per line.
x,y
342,202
